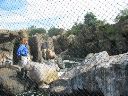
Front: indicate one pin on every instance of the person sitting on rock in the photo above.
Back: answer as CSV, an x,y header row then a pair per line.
x,y
23,54
44,48
50,54
46,52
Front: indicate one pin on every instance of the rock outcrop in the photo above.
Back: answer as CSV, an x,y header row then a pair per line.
x,y
12,82
43,73
36,43
7,40
99,72
9,83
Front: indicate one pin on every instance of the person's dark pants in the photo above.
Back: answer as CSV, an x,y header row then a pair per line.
x,y
23,73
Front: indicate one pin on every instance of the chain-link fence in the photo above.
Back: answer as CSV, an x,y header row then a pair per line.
x,y
75,47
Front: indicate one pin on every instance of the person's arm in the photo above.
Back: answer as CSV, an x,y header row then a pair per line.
x,y
26,51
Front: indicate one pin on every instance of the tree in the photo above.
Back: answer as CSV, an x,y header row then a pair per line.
x,y
77,28
55,31
100,23
90,19
123,15
34,30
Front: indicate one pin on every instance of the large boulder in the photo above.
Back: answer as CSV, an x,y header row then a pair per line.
x,y
35,48
43,73
99,72
9,82
7,40
50,43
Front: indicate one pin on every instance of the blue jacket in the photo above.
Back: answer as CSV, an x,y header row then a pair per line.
x,y
22,50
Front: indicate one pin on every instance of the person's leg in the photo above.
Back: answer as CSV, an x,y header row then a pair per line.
x,y
24,63
25,73
22,72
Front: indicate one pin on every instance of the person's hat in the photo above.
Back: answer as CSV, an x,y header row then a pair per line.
x,y
23,33
24,40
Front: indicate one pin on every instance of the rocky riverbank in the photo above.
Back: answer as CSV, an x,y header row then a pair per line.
x,y
99,74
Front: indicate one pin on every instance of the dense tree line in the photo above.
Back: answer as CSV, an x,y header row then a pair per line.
x,y
89,35
90,22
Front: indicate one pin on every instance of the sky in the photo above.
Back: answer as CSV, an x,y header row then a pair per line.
x,y
21,14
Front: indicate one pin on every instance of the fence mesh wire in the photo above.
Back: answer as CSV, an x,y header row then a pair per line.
x,y
86,36
54,13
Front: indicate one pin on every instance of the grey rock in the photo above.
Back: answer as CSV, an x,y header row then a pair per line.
x,y
100,72
10,82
